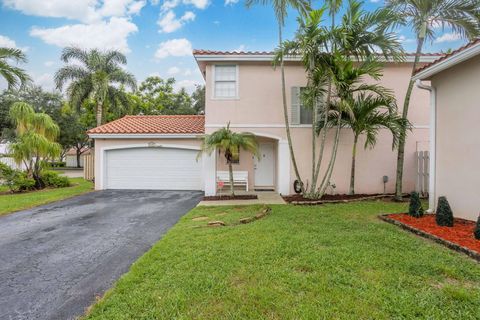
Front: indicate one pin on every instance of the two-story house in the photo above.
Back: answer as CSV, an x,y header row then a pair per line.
x,y
160,152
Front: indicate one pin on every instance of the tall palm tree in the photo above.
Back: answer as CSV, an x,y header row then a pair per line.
x,y
368,113
229,143
15,76
425,17
35,139
281,7
98,77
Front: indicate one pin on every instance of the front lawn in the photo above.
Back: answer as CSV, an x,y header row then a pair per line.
x,y
20,201
299,262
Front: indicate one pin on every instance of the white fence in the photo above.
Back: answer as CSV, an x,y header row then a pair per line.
x,y
422,162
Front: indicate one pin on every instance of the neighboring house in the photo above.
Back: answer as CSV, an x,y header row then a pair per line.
x,y
455,113
158,152
71,160
4,158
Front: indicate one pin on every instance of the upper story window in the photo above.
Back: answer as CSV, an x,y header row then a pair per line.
x,y
299,113
225,79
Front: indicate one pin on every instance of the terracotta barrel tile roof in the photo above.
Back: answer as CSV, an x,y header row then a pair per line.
x,y
201,52
448,55
175,124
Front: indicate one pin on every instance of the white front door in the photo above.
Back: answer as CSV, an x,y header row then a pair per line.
x,y
265,167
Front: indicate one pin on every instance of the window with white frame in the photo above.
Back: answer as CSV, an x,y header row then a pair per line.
x,y
225,81
300,114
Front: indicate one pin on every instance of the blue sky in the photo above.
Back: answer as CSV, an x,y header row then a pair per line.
x,y
157,36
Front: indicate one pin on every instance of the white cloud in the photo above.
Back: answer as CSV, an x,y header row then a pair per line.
x,y
169,22
87,11
230,2
189,85
404,39
448,37
187,72
170,4
175,47
45,81
10,43
48,63
105,35
375,1
173,70
240,48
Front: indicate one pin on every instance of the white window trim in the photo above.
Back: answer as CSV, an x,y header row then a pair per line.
x,y
237,82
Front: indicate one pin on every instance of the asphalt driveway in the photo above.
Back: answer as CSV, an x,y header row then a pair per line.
x,y
55,259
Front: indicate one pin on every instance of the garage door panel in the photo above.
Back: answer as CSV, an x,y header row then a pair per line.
x,y
153,168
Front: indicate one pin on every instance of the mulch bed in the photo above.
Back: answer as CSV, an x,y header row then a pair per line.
x,y
459,237
225,197
329,198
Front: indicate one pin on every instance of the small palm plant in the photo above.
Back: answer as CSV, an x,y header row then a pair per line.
x,y
367,115
229,143
34,141
15,76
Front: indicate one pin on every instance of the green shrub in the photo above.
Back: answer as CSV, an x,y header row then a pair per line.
x,y
476,232
15,180
415,209
52,179
444,216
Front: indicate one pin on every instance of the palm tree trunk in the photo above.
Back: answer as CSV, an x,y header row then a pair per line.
x,y
99,113
285,113
401,141
230,171
352,173
314,136
331,164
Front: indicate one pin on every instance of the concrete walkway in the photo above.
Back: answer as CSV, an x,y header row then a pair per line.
x,y
264,197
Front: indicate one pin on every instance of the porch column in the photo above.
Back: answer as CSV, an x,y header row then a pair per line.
x,y
209,168
283,168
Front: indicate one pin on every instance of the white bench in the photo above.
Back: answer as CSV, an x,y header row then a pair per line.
x,y
240,178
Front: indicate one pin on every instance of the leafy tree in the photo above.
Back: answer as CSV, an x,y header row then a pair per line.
x,y
444,214
425,17
366,115
198,97
415,208
14,76
229,143
35,139
280,7
97,78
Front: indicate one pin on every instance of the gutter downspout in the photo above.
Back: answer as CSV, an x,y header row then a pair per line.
x,y
433,143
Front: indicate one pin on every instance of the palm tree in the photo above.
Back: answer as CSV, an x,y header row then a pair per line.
x,y
15,76
35,139
424,17
368,113
229,143
281,7
98,77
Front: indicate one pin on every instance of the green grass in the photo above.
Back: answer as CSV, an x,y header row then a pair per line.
x,y
19,201
326,262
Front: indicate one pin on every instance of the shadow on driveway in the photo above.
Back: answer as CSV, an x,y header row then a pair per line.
x,y
56,258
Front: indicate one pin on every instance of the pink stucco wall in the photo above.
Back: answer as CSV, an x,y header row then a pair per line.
x,y
258,109
458,138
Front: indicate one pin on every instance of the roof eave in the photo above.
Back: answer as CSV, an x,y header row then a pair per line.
x,y
145,135
449,62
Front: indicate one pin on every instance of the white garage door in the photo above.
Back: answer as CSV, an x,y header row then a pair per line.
x,y
153,169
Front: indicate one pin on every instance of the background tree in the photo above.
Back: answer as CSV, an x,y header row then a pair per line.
x,y
198,97
369,113
97,77
13,75
229,143
425,17
34,141
280,7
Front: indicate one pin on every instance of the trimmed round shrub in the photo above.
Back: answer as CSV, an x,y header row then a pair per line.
x,y
53,180
444,216
476,232
415,209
